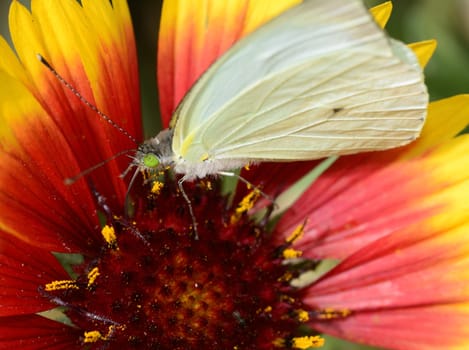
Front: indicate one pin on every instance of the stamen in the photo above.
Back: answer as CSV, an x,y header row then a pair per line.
x,y
92,276
109,236
95,336
330,313
287,276
157,186
302,343
290,253
297,233
302,315
61,285
307,342
92,337
206,184
246,203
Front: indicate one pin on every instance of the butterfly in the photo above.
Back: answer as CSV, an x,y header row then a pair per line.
x,y
321,79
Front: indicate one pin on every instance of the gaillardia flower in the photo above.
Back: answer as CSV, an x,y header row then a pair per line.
x,y
77,272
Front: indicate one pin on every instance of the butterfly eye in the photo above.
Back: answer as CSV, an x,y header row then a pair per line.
x,y
150,160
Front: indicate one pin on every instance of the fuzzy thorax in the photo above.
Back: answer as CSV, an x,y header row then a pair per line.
x,y
156,154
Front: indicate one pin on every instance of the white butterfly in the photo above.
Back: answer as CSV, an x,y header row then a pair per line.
x,y
321,79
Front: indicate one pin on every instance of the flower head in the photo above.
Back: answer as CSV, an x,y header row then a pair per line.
x,y
77,270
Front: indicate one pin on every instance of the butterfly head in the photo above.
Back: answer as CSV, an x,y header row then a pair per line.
x,y
155,154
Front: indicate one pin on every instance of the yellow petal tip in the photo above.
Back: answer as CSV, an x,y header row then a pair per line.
x,y
424,50
381,13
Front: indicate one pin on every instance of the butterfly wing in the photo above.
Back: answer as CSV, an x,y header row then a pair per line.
x,y
321,79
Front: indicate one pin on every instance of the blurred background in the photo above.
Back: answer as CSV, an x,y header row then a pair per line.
x,y
412,20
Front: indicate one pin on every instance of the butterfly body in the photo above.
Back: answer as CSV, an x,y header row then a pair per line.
x,y
160,147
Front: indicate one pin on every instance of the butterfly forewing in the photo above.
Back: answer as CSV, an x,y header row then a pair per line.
x,y
321,79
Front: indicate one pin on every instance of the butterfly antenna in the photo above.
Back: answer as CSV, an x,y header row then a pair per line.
x,y
127,194
72,180
84,100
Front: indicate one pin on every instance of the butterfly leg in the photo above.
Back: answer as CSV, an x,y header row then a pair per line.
x,y
248,184
189,204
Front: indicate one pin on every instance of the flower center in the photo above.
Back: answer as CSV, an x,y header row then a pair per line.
x,y
156,287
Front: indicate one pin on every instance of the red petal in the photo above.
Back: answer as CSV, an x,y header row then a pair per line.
x,y
356,202
23,269
405,291
32,332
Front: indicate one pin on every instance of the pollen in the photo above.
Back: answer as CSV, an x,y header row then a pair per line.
x,y
92,276
296,234
330,313
246,203
302,315
307,342
156,188
61,285
287,276
109,235
206,184
291,253
92,337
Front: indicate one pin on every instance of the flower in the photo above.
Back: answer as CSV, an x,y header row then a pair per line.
x,y
76,272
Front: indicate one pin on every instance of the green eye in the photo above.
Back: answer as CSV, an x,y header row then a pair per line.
x,y
150,160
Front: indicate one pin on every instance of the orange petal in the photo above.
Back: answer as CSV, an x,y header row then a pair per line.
x,y
48,134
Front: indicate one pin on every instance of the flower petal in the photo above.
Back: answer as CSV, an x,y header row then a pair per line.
x,y
363,197
48,134
424,50
34,332
446,118
400,288
381,13
36,206
194,34
93,49
23,268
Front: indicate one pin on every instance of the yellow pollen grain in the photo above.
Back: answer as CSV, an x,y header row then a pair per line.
x,y
207,185
92,275
61,285
287,299
287,276
109,235
296,234
92,336
156,188
291,253
279,343
330,313
302,315
246,203
307,342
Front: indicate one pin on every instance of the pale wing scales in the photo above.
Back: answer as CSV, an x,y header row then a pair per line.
x,y
323,121
321,79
